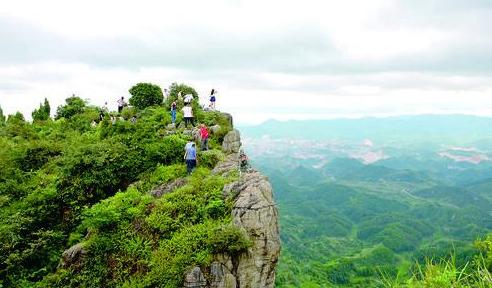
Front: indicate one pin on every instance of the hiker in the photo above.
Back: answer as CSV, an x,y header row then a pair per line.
x,y
104,110
204,137
190,156
121,104
212,99
188,98
243,161
174,107
188,115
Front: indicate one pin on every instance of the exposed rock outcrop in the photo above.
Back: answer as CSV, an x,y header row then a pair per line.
x,y
232,142
254,212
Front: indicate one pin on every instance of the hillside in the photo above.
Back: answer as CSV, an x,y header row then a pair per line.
x,y
411,218
91,202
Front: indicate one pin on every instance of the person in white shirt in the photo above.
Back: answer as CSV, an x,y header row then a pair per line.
x,y
188,115
121,104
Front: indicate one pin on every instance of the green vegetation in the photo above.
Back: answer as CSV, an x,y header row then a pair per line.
x,y
408,220
43,113
64,182
145,95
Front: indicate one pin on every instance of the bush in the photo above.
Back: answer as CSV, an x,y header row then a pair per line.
x,y
145,95
74,105
228,239
210,158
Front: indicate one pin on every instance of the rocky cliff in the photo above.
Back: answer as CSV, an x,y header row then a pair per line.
x,y
255,213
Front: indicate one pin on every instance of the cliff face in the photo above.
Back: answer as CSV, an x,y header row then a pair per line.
x,y
255,213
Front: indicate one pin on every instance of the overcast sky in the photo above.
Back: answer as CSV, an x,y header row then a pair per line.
x,y
268,59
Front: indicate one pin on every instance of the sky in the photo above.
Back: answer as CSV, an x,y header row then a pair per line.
x,y
270,59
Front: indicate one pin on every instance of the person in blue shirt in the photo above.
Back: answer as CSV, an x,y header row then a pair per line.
x,y
190,156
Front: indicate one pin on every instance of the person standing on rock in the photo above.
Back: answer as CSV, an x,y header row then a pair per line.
x,y
174,107
212,99
203,137
190,156
188,115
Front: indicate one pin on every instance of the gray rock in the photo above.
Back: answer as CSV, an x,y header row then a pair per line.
x,y
221,276
171,126
232,142
255,212
230,164
195,279
229,118
73,256
215,129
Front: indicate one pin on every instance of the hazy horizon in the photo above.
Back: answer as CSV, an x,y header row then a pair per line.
x,y
277,60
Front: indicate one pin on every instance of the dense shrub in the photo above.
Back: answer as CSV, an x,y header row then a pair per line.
x,y
145,95
74,105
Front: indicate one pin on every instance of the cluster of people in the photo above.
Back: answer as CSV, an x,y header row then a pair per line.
x,y
190,155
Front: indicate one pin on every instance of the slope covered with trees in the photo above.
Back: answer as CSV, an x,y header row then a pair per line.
x,y
90,184
410,217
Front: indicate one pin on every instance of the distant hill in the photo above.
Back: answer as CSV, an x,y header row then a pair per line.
x,y
420,128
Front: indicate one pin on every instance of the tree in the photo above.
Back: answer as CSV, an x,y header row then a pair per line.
x,y
2,117
74,105
174,90
145,95
43,113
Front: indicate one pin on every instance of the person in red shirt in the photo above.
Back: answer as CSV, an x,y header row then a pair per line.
x,y
204,137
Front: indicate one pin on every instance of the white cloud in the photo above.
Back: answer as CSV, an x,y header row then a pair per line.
x,y
269,59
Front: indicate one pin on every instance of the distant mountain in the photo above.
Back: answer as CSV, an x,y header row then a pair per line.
x,y
421,128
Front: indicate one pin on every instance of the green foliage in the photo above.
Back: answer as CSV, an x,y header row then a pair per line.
x,y
74,105
128,112
228,239
174,90
123,206
210,158
64,182
2,118
43,113
145,95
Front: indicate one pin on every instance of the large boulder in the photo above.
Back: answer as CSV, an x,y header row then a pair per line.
x,y
232,142
215,129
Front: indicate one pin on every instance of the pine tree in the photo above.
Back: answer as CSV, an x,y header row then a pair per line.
x,y
43,113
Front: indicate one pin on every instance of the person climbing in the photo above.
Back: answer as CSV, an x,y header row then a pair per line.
x,y
188,115
121,104
174,107
243,161
204,137
212,99
190,156
188,98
